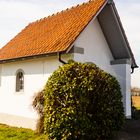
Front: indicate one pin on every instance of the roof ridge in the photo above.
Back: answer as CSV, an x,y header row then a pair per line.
x,y
59,12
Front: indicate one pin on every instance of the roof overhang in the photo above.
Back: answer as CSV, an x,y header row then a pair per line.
x,y
112,28
31,57
73,49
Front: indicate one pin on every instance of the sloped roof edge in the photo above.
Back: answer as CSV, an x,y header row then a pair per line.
x,y
134,65
94,17
114,33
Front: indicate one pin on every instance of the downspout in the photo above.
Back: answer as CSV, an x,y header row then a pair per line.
x,y
60,59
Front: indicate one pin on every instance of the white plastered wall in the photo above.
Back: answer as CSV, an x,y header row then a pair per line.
x,y
0,73
124,77
19,104
96,50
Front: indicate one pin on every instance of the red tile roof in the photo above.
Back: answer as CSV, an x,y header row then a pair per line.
x,y
55,33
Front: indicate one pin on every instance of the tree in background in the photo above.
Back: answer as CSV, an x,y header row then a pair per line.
x,y
135,91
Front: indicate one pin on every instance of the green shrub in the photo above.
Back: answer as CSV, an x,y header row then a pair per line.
x,y
82,102
38,105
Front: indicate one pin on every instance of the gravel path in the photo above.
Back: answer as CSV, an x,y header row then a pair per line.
x,y
130,131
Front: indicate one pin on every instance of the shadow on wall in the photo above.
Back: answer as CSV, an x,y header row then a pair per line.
x,y
32,67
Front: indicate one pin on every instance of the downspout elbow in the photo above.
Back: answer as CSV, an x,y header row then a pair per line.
x,y
60,59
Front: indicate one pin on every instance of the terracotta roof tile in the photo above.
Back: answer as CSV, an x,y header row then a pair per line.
x,y
55,33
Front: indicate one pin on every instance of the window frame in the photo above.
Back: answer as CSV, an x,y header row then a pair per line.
x,y
19,82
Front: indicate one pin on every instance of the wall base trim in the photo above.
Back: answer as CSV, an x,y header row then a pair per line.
x,y
18,121
128,117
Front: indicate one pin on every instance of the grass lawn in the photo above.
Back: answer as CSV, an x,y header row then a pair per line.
x,y
14,133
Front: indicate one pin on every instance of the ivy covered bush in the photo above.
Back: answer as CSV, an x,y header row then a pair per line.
x,y
82,102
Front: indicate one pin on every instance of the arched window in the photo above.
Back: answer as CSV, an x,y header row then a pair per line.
x,y
19,81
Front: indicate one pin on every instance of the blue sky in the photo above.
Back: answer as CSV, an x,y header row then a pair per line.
x,y
16,14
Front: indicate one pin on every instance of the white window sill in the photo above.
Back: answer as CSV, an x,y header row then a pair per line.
x,y
19,92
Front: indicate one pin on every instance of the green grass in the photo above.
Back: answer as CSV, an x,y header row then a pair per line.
x,y
14,133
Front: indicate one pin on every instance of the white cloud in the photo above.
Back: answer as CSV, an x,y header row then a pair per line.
x,y
136,78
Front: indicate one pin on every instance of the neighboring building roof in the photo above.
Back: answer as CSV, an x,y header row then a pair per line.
x,y
58,32
53,34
